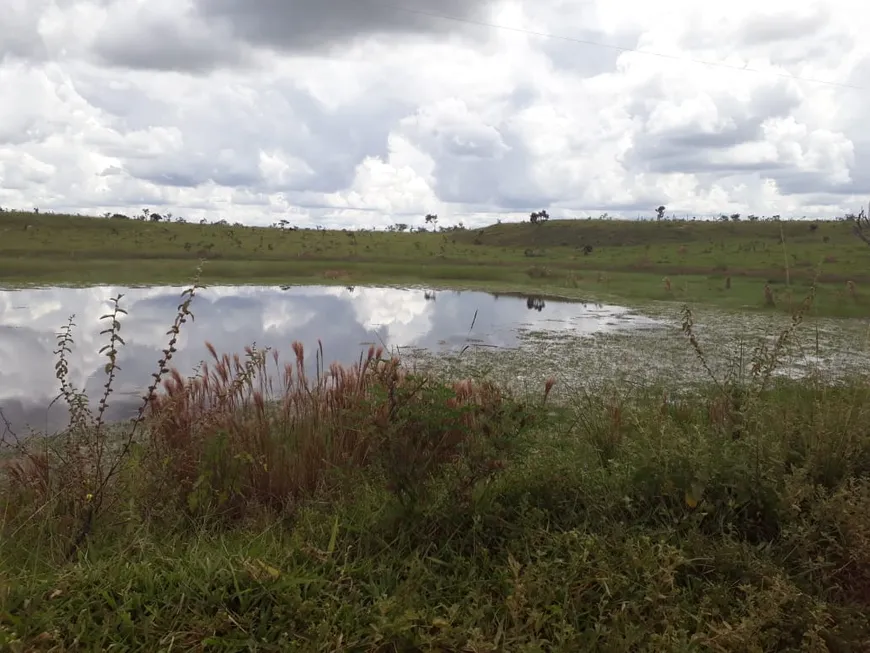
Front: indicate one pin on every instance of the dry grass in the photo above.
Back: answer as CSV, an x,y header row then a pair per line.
x,y
281,434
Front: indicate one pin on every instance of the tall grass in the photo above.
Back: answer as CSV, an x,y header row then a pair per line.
x,y
369,507
237,437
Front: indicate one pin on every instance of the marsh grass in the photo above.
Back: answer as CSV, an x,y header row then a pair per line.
x,y
373,507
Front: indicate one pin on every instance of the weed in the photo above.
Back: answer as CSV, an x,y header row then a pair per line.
x,y
539,272
72,477
853,291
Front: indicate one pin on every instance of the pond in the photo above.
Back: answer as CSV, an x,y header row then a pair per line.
x,y
413,322
519,340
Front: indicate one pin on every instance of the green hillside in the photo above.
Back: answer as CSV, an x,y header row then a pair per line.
x,y
638,260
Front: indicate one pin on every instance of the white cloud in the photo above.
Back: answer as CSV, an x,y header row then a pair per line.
x,y
370,115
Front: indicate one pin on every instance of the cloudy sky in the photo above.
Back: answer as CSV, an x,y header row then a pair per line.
x,y
366,112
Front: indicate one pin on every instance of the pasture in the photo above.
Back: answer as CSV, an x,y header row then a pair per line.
x,y
765,265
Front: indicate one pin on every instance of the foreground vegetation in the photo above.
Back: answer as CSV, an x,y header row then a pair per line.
x,y
369,508
736,264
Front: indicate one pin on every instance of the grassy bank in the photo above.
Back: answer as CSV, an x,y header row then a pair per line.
x,y
374,509
761,265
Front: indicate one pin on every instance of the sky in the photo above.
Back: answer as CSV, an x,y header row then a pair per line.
x,y
364,113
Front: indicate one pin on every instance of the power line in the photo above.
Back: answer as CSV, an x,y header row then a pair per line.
x,y
598,44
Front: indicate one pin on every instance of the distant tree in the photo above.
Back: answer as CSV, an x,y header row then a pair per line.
x,y
156,217
735,217
752,218
660,212
432,219
538,217
861,226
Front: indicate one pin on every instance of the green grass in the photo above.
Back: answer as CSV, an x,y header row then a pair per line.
x,y
725,264
373,509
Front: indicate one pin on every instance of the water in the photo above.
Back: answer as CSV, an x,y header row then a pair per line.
x,y
346,320
828,349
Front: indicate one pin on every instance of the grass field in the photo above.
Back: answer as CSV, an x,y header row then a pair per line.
x,y
722,263
372,509
377,509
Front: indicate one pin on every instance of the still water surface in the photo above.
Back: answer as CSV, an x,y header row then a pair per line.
x,y
346,320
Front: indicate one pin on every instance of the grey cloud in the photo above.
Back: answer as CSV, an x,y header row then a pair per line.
x,y
783,38
774,101
469,161
734,134
20,128
783,26
699,164
691,150
825,52
687,149
222,33
780,28
19,30
504,182
472,141
234,169
312,26
156,37
15,45
127,104
584,58
224,145
859,76
798,182
477,163
163,47
23,179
